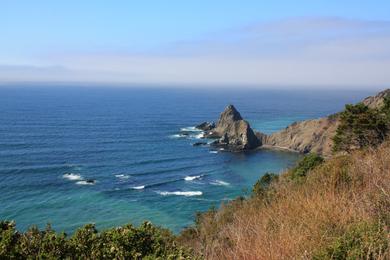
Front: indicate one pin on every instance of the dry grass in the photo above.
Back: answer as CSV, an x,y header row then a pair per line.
x,y
296,220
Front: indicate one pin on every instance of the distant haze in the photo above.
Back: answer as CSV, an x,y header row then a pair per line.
x,y
293,49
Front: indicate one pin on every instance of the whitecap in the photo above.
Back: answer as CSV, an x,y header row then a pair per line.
x,y
191,178
190,129
72,176
138,187
87,182
213,152
122,176
181,193
219,183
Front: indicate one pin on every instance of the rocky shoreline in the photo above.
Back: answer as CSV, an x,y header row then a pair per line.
x,y
233,133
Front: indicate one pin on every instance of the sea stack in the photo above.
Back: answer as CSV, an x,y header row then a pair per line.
x,y
233,132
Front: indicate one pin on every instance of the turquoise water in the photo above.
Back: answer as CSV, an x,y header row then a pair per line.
x,y
52,140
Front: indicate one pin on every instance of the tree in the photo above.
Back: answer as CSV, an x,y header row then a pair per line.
x,y
361,126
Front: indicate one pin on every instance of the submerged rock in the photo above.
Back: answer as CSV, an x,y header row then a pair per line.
x,y
199,144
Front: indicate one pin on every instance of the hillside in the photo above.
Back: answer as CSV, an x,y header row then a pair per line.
x,y
337,209
315,135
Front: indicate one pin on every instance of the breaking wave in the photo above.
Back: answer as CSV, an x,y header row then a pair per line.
x,y
72,176
180,193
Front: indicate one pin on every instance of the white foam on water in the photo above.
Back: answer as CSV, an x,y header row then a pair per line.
x,y
85,183
199,136
72,176
138,187
219,183
122,176
213,152
190,129
180,193
191,178
178,136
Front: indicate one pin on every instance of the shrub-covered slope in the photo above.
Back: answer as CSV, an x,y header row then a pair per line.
x,y
336,209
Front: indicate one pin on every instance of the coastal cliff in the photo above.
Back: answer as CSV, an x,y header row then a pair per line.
x,y
309,136
316,135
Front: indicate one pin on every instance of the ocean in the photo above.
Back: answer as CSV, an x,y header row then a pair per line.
x,y
107,155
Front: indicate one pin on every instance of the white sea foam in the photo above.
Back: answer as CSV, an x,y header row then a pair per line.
x,y
219,183
190,129
122,176
72,176
180,193
213,152
178,136
138,187
199,136
85,183
191,178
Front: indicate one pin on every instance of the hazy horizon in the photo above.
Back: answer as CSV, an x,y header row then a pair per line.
x,y
325,44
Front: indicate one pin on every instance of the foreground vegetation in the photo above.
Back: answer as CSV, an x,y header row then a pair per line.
x,y
128,242
333,209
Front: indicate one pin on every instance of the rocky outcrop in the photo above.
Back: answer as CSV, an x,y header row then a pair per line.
x,y
233,132
315,135
205,126
306,136
377,100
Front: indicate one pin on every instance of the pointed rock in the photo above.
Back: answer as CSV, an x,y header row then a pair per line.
x,y
234,132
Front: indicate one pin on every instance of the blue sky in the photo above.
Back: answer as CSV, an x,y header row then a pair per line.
x,y
197,42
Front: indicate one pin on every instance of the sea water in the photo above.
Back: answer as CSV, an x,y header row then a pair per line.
x,y
106,155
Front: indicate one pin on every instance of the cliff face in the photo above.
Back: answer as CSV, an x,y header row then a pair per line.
x,y
313,135
306,136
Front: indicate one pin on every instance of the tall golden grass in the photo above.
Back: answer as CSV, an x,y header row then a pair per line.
x,y
296,220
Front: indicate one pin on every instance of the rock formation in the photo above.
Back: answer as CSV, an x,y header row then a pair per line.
x,y
315,135
233,132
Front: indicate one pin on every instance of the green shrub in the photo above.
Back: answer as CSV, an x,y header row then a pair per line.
x,y
262,184
361,241
361,126
128,242
306,164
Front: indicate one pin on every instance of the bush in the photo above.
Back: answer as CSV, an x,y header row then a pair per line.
x,y
361,241
306,164
361,126
128,242
263,183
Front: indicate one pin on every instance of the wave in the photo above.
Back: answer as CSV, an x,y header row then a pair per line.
x,y
178,136
72,176
87,182
181,193
122,176
191,178
190,129
219,183
213,152
199,136
138,187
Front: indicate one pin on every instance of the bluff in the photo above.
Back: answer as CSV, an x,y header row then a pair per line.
x,y
315,136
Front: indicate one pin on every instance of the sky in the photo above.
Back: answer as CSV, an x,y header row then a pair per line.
x,y
316,43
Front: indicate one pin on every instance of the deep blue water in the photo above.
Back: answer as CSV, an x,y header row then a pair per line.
x,y
128,138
